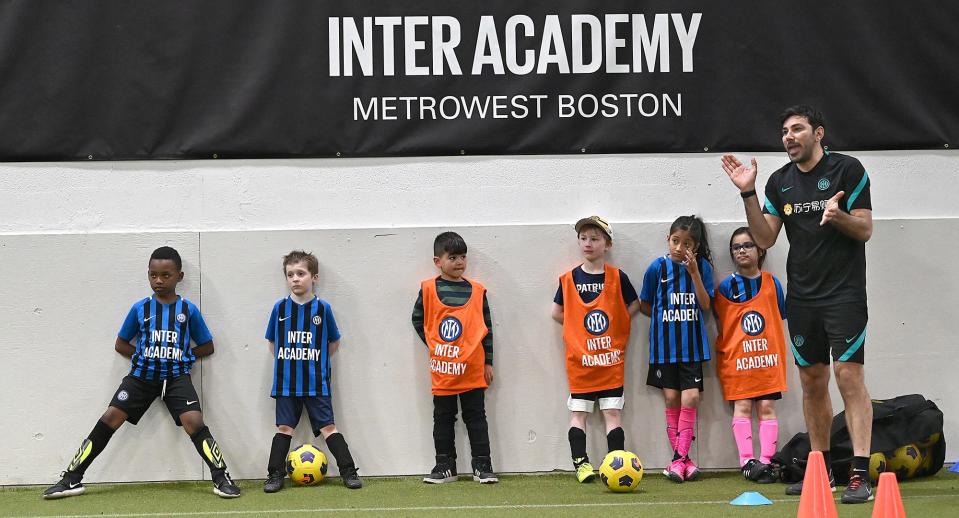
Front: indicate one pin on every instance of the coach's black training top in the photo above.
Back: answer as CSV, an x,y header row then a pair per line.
x,y
824,265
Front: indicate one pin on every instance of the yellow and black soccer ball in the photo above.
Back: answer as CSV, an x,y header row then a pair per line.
x,y
306,465
621,471
905,461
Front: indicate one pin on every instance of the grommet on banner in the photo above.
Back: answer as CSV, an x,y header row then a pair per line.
x,y
89,157
337,153
215,155
705,149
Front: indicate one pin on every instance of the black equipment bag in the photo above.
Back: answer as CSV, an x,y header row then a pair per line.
x,y
897,423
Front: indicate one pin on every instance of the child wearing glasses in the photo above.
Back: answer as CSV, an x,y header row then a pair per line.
x,y
751,352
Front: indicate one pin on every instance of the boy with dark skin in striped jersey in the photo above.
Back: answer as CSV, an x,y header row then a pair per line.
x,y
452,317
303,336
163,326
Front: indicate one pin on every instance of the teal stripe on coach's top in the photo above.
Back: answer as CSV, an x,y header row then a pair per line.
x,y
854,347
771,209
857,190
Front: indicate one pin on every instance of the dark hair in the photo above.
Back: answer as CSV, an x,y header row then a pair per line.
x,y
450,243
297,256
811,114
745,230
697,231
166,253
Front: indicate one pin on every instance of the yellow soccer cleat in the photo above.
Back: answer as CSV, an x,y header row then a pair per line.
x,y
584,472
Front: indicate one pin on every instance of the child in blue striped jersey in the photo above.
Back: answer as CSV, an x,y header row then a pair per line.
x,y
303,335
677,292
163,327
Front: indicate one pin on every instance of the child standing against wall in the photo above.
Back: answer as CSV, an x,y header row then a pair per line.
x,y
750,352
303,336
677,290
451,315
163,325
595,303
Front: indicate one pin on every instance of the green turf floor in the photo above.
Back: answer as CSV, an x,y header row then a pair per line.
x,y
516,495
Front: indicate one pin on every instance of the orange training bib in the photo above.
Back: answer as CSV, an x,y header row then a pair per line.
x,y
454,336
596,335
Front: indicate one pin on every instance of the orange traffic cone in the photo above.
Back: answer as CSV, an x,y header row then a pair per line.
x,y
816,500
888,500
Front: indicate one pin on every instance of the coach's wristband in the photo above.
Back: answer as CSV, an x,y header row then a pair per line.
x,y
747,194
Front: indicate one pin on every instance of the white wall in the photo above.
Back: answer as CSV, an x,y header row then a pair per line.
x,y
74,239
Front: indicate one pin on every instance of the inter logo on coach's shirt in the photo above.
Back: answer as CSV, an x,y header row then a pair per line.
x,y
164,333
301,334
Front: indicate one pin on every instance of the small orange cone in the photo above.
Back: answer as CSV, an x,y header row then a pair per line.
x,y
816,500
888,500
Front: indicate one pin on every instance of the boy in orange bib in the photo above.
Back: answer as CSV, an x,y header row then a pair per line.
x,y
452,317
595,303
751,352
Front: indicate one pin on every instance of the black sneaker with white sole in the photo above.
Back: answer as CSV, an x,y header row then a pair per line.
x,y
483,471
858,491
751,469
444,471
69,485
223,485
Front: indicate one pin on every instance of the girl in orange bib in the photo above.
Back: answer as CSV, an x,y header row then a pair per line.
x,y
751,352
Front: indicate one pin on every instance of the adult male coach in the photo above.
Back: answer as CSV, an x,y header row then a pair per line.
x,y
823,201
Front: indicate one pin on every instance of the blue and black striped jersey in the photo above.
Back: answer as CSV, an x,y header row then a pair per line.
x,y
164,333
301,334
739,289
677,329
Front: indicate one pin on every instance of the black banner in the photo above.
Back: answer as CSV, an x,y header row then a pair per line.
x,y
110,79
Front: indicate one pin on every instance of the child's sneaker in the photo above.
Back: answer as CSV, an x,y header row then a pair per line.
x,y
584,470
690,471
274,482
350,479
751,469
444,471
223,485
483,470
676,470
69,485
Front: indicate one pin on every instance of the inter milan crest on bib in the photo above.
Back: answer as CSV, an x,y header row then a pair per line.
x,y
450,329
181,318
823,184
753,323
596,322
317,320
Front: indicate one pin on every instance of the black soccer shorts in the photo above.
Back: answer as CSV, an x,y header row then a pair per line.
x,y
818,332
134,396
676,376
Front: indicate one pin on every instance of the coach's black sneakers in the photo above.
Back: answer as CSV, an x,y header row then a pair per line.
x,y
69,485
350,479
274,482
483,470
859,491
223,485
796,489
444,471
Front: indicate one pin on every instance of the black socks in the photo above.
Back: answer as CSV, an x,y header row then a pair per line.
x,y
278,453
208,449
577,443
616,439
340,451
90,448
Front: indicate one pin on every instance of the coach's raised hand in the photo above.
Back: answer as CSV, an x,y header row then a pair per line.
x,y
742,176
832,208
